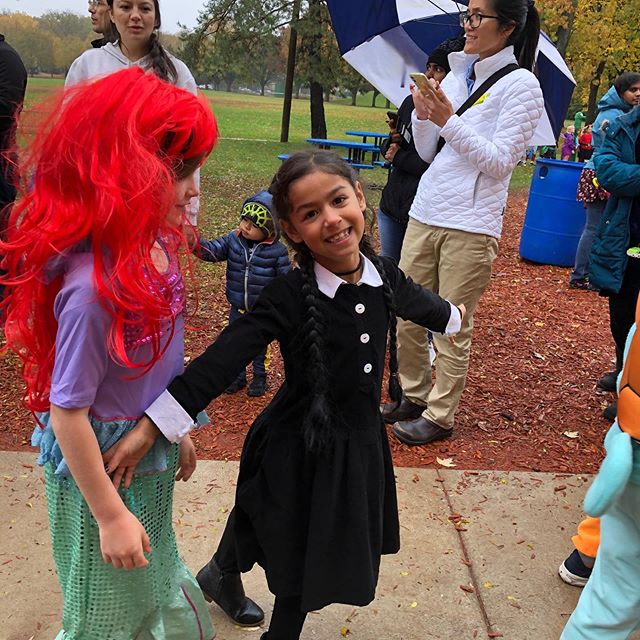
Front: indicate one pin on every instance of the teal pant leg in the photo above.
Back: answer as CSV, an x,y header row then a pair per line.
x,y
609,607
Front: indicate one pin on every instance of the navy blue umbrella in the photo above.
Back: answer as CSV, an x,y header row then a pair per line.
x,y
386,40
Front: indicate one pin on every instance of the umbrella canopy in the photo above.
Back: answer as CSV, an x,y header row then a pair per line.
x,y
386,40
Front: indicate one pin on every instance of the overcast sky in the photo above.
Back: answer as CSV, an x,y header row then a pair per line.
x,y
173,11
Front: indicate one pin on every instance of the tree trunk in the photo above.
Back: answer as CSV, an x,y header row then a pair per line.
x,y
563,34
376,93
229,84
291,66
354,96
594,89
318,122
262,86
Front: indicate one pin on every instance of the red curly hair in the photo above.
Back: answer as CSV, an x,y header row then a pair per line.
x,y
100,175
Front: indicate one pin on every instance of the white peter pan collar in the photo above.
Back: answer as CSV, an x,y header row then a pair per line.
x,y
328,282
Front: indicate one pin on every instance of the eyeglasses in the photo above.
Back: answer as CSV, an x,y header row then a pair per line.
x,y
474,19
96,3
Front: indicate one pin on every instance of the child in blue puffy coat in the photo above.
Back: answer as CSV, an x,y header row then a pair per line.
x,y
255,257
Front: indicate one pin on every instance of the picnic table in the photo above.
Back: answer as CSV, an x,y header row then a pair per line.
x,y
378,138
356,151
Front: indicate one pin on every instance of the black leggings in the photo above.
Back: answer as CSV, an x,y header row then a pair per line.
x,y
622,308
287,619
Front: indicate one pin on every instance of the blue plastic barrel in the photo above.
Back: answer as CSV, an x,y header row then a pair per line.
x,y
554,219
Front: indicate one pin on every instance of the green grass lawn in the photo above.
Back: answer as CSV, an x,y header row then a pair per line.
x,y
246,156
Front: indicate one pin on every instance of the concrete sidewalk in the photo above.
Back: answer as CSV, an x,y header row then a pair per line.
x,y
479,556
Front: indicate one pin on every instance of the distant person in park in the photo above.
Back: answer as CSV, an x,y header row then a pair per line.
x,y
13,84
95,315
578,121
585,144
101,23
407,166
619,99
255,257
136,24
568,143
455,221
316,500
615,271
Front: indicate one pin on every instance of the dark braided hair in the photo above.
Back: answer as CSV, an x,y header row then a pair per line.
x,y
319,422
161,63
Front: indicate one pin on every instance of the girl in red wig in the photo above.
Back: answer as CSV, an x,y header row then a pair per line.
x,y
94,312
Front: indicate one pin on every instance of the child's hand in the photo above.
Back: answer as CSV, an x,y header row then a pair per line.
x,y
463,311
188,459
123,542
123,458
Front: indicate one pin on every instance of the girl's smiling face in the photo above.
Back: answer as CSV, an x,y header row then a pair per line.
x,y
491,35
327,215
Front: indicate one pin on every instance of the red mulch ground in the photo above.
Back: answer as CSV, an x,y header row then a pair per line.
x,y
538,349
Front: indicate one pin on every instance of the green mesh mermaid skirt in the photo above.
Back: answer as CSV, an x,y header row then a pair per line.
x,y
160,602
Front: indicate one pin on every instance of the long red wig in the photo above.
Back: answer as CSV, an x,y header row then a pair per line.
x,y
99,176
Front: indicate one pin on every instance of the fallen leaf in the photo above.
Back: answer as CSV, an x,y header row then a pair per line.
x,y
488,584
571,434
539,324
404,573
467,588
537,355
446,462
344,632
414,605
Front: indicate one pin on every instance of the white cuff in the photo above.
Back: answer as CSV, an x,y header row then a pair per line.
x,y
455,321
169,416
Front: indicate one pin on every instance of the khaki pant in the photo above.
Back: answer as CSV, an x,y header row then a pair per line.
x,y
457,265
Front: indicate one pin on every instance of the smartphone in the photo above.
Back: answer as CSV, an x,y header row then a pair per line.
x,y
424,84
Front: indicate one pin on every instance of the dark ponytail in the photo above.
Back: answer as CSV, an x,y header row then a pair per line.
x,y
161,63
524,38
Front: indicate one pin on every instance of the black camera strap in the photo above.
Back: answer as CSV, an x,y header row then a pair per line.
x,y
477,94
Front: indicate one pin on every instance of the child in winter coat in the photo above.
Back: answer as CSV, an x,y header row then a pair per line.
x,y
569,143
254,258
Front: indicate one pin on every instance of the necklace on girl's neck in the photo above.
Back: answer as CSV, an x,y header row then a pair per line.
x,y
350,273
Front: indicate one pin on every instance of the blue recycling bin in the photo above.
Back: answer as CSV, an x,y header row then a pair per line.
x,y
554,219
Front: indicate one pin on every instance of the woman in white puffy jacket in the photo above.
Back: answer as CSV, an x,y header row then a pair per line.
x,y
456,217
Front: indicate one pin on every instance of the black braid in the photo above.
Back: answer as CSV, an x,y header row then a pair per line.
x,y
319,420
161,63
395,390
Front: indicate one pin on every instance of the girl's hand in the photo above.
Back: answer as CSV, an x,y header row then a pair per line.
x,y
463,312
391,152
419,103
123,458
188,459
123,541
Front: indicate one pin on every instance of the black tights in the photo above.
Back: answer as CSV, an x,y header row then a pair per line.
x,y
287,619
622,308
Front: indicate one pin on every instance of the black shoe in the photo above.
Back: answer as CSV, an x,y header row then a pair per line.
x,y
239,383
608,381
228,593
611,412
583,284
258,386
420,431
406,410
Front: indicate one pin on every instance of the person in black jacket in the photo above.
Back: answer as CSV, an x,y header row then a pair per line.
x,y
13,84
407,166
254,258
101,23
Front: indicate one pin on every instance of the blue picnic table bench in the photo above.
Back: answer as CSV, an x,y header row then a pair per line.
x,y
356,151
378,137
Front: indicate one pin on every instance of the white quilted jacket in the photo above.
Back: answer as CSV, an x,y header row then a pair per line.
x,y
466,186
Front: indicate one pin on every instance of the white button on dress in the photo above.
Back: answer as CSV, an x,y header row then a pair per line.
x,y
364,338
367,368
360,308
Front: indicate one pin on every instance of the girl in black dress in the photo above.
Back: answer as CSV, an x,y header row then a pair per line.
x,y
316,498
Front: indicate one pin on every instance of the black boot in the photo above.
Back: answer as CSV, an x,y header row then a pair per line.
x,y
258,386
406,410
239,383
228,593
420,431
